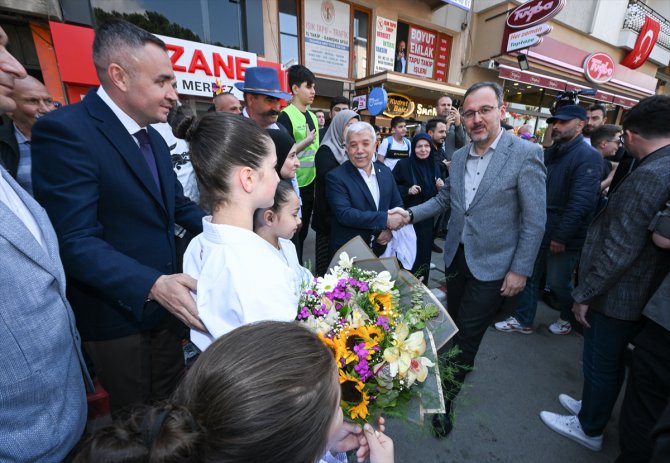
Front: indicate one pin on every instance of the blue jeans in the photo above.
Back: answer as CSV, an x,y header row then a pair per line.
x,y
604,367
559,269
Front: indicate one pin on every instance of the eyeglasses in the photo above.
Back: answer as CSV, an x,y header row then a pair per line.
x,y
483,111
621,140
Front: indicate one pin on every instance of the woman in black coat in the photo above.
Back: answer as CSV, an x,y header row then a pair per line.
x,y
418,179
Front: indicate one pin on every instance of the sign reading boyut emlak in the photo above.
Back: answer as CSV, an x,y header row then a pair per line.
x,y
526,24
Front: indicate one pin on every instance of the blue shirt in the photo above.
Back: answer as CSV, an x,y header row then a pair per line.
x,y
23,173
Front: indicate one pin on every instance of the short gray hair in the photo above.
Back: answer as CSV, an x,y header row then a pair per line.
x,y
359,127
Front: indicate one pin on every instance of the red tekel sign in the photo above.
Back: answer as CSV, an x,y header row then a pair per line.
x,y
529,14
646,40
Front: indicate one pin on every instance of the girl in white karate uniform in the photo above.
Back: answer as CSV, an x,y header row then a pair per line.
x,y
240,279
277,225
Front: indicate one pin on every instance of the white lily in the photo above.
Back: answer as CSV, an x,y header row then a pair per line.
x,y
405,347
382,283
345,261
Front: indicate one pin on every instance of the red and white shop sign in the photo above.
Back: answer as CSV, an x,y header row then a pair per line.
x,y
421,52
534,12
646,40
442,58
197,66
599,67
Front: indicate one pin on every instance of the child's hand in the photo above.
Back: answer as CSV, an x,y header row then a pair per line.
x,y
381,446
414,190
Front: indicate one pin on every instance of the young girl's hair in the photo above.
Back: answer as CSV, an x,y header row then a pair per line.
x,y
263,392
219,142
282,196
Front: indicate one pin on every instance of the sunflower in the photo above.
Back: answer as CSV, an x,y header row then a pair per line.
x,y
354,399
337,345
371,336
381,301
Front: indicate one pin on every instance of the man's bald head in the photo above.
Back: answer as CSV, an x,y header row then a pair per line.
x,y
33,101
227,103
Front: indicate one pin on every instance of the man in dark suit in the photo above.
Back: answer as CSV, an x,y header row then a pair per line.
x,y
362,193
42,394
620,267
105,178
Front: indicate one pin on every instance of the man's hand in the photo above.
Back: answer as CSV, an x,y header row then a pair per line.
x,y
580,313
397,218
556,248
513,284
174,293
384,237
310,136
457,116
414,190
439,183
447,163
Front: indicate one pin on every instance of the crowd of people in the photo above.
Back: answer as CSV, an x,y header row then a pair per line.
x,y
206,243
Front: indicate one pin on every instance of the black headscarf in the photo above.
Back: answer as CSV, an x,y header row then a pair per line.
x,y
424,171
283,144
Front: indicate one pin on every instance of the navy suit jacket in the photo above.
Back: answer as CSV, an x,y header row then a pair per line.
x,y
114,226
352,204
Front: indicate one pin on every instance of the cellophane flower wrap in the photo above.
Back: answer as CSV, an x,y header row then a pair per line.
x,y
378,345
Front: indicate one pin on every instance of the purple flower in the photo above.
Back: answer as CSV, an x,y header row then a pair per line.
x,y
304,313
360,350
383,322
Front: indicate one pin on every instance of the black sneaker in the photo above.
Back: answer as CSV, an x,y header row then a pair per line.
x,y
436,248
441,425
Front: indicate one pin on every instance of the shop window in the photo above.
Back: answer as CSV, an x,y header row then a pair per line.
x,y
288,32
360,50
215,22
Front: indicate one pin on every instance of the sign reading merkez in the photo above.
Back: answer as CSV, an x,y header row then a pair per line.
x,y
534,12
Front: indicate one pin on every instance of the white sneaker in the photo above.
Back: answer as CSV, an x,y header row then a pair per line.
x,y
569,426
560,327
511,324
574,406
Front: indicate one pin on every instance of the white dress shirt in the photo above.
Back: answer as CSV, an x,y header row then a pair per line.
x,y
371,182
10,199
128,122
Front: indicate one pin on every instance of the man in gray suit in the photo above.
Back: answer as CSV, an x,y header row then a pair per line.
x,y
497,197
42,394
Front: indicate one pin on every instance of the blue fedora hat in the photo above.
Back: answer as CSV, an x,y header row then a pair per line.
x,y
262,81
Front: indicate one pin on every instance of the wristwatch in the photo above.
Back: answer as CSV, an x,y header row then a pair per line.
x,y
411,215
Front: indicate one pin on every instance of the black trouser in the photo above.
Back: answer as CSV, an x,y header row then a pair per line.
x,y
471,303
307,198
647,392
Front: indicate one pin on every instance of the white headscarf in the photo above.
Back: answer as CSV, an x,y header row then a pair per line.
x,y
334,137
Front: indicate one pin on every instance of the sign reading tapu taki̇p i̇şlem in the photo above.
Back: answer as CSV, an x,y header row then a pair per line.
x,y
327,37
385,37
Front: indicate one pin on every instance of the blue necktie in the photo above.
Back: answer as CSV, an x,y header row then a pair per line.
x,y
145,146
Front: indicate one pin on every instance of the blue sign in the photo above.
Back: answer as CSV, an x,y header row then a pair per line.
x,y
377,101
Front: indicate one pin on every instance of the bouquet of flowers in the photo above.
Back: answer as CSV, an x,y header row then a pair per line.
x,y
379,343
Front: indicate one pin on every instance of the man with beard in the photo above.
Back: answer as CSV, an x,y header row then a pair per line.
x,y
262,93
496,183
573,184
455,137
595,117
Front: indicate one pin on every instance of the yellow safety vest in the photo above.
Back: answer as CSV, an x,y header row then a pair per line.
x,y
306,173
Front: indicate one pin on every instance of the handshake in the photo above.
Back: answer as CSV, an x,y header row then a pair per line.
x,y
397,218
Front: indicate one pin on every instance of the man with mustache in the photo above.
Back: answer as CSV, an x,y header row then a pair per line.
x,y
32,102
496,194
262,93
573,184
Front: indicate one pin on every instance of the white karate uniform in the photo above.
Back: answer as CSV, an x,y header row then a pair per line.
x,y
240,281
301,276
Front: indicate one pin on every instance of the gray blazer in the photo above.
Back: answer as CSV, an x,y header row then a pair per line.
x,y
502,229
42,391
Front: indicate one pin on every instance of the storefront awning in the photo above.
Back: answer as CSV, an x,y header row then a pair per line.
x,y
416,87
554,83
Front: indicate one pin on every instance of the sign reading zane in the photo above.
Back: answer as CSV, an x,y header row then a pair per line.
x,y
421,56
197,66
327,37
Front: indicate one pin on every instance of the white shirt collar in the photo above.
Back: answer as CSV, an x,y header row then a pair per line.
x,y
373,173
128,122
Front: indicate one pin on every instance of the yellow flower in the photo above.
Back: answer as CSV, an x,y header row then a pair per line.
x,y
380,299
354,399
338,347
404,348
